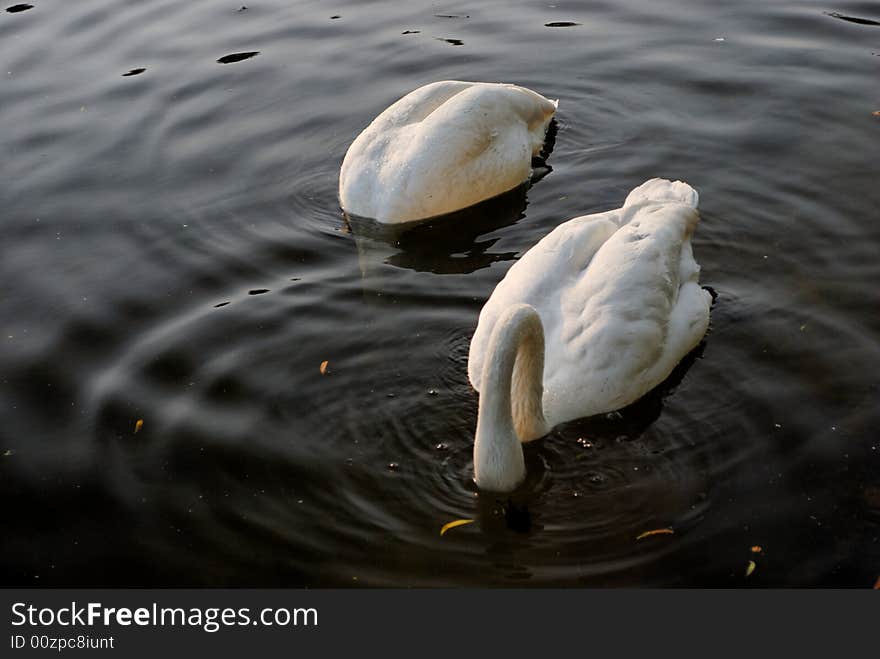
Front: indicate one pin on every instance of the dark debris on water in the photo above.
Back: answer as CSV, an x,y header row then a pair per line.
x,y
454,42
258,291
237,57
852,19
134,72
561,24
14,9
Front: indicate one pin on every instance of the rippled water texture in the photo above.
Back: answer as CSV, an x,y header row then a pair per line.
x,y
173,251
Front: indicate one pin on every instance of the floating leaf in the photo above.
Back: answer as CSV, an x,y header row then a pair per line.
x,y
876,113
453,524
757,549
750,568
877,584
138,425
324,367
666,531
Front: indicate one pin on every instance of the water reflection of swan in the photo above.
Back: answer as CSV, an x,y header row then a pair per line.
x,y
451,244
443,147
594,316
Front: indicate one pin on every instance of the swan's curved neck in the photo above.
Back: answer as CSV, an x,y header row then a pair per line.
x,y
512,389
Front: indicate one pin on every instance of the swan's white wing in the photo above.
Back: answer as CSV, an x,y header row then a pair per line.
x,y
443,147
539,278
621,321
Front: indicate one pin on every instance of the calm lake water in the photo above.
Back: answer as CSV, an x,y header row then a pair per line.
x,y
173,251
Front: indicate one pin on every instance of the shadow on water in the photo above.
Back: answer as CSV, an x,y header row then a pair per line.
x,y
448,244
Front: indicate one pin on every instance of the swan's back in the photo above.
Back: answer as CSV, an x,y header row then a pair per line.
x,y
619,298
443,147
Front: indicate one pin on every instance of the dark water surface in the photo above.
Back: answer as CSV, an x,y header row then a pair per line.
x,y
172,251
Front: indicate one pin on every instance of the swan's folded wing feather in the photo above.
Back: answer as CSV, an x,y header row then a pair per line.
x,y
617,316
539,278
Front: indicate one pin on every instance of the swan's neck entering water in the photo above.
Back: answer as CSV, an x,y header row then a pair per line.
x,y
510,409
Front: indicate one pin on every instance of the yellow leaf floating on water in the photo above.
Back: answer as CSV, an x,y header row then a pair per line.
x,y
750,568
876,113
666,531
324,365
138,425
453,524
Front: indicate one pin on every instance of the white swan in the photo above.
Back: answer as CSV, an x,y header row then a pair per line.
x,y
590,319
443,147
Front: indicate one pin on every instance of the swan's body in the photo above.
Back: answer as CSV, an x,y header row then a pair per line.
x,y
443,147
615,299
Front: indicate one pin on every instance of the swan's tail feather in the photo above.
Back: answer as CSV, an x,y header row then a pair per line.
x,y
658,189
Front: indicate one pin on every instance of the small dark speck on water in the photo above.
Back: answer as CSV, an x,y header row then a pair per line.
x,y
454,42
411,32
243,8
393,466
222,304
333,18
450,16
17,8
133,72
237,57
258,291
853,19
561,24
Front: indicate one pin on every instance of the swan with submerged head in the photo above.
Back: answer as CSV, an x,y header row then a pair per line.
x,y
443,147
590,319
